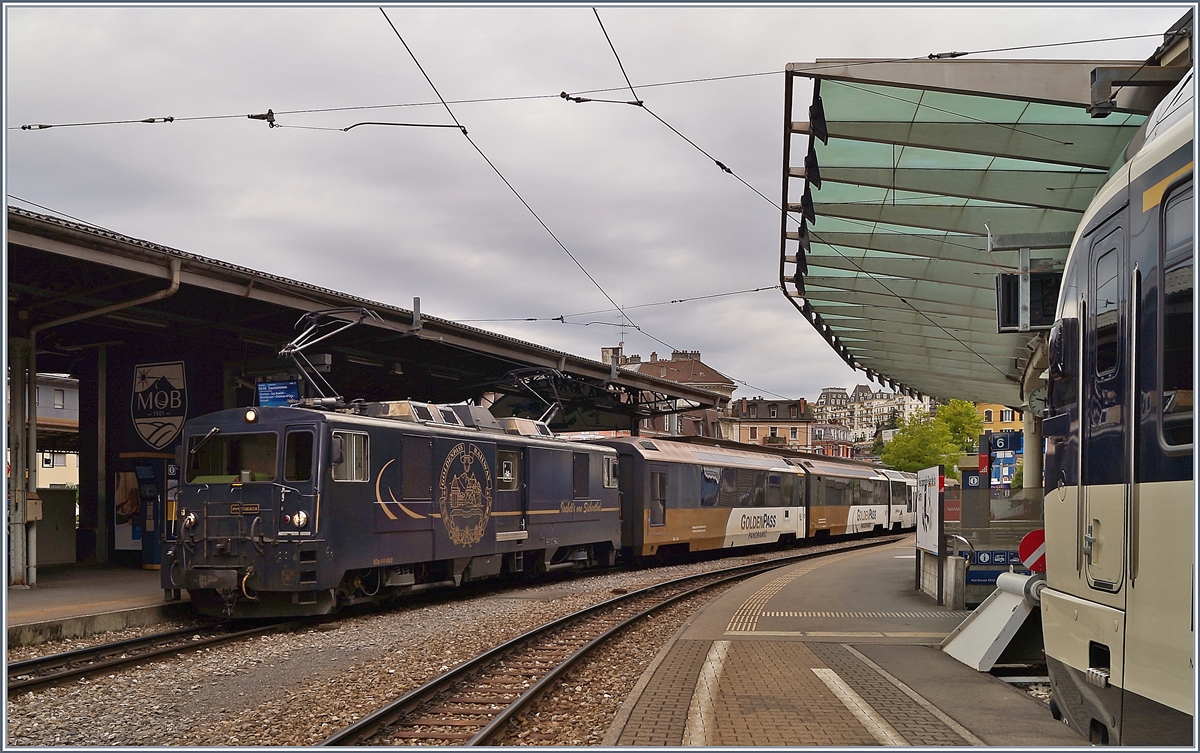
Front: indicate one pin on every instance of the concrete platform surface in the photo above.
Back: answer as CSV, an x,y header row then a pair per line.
x,y
72,601
841,650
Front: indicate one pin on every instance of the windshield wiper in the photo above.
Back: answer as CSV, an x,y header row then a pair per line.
x,y
200,444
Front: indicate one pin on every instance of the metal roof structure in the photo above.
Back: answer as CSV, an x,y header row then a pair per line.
x,y
65,275
912,184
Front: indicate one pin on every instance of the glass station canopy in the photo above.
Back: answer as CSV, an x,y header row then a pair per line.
x,y
897,179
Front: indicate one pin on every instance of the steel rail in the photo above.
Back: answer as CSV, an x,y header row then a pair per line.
x,y
370,725
95,663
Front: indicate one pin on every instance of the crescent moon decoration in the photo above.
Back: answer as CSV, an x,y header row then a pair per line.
x,y
379,497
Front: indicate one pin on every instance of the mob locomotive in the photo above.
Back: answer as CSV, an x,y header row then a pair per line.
x,y
295,511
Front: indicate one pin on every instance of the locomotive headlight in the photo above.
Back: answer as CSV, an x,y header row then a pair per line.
x,y
189,520
251,415
300,519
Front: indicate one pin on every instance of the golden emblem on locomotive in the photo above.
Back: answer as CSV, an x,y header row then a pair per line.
x,y
465,494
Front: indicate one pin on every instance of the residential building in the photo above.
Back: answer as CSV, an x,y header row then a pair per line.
x,y
773,423
58,431
684,367
832,405
832,439
998,417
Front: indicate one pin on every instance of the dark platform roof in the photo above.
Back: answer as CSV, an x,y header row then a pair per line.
x,y
59,268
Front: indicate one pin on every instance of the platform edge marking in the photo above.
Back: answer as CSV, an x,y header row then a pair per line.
x,y
879,728
701,718
960,730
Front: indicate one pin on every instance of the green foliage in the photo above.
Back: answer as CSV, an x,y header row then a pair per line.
x,y
922,442
962,422
1018,477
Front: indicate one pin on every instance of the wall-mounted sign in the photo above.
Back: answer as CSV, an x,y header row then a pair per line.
x,y
929,509
278,393
159,402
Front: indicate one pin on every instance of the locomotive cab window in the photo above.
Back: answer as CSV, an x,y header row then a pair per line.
x,y
229,458
508,474
1175,349
298,456
355,462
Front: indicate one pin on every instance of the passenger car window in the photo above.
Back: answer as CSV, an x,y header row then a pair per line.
x,y
298,456
355,461
1175,354
1105,310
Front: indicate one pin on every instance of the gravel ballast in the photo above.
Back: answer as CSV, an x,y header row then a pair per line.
x,y
298,688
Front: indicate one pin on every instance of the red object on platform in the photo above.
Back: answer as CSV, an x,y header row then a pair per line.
x,y
1032,550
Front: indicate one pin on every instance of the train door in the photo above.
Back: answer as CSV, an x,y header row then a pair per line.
x,y
512,502
298,506
1106,416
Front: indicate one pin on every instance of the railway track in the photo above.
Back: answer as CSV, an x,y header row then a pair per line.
x,y
57,669
472,704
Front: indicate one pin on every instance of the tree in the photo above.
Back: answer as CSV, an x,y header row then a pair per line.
x,y
1018,477
962,421
922,442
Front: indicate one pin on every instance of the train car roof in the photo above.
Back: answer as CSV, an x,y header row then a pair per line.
x,y
683,452
271,418
825,468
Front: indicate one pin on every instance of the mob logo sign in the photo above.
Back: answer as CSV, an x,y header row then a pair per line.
x,y
159,402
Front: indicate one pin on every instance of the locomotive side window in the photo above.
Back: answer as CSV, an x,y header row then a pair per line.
x,y
226,458
611,472
508,476
298,456
658,498
1176,325
416,465
582,469
354,465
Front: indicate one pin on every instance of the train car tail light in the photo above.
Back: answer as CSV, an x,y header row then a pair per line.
x,y
300,519
189,520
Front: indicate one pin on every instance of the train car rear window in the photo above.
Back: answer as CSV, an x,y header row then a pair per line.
x,y
226,458
298,456
581,474
355,465
1176,327
658,498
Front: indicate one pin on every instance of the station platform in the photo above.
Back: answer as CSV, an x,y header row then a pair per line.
x,y
73,601
837,651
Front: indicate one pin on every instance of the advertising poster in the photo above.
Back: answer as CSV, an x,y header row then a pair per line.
x,y
127,512
929,509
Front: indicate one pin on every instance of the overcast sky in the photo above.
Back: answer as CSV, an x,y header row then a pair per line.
x,y
390,213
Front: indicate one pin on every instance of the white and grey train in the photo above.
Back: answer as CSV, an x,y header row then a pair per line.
x,y
1120,498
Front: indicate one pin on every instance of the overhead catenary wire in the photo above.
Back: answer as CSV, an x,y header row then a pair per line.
x,y
511,187
529,97
561,317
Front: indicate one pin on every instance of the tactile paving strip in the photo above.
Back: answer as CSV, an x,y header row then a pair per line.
x,y
957,614
915,724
